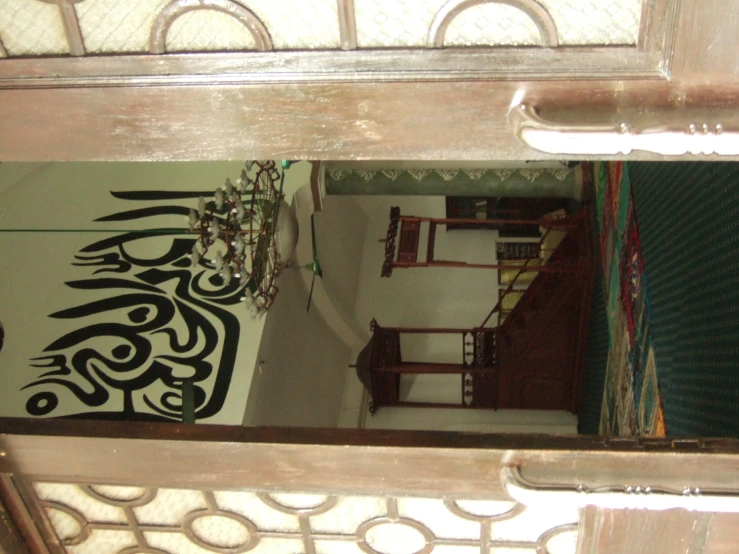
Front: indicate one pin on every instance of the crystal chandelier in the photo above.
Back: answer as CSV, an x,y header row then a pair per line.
x,y
247,232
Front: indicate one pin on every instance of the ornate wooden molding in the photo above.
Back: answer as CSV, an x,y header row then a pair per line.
x,y
23,527
74,514
608,140
327,66
392,233
617,497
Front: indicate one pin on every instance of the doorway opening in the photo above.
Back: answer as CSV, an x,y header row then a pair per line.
x,y
121,320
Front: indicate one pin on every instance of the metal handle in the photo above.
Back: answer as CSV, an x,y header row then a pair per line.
x,y
611,140
617,497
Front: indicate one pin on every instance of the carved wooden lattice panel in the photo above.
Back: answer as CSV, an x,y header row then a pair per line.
x,y
407,22
58,27
127,520
32,28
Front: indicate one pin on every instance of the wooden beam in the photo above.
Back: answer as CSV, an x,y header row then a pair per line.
x,y
348,461
437,330
336,121
423,368
20,526
431,242
364,65
11,541
530,269
485,222
704,44
627,531
723,534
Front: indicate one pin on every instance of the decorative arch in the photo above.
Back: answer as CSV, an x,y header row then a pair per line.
x,y
535,11
165,19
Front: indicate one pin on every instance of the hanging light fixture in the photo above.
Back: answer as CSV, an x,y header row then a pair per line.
x,y
248,232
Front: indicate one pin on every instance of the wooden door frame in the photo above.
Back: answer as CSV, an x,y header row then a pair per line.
x,y
384,105
429,464
343,106
334,121
412,105
335,462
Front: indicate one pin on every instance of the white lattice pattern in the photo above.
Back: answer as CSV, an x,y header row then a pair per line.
x,y
105,520
299,24
31,28
205,30
102,540
492,24
581,22
398,23
394,23
114,26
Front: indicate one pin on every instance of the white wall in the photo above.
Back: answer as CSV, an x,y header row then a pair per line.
x,y
13,174
427,297
301,381
341,229
423,297
354,414
302,375
37,265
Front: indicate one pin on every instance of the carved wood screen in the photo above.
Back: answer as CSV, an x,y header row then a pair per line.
x,y
82,487
129,61
632,36
477,367
80,27
99,519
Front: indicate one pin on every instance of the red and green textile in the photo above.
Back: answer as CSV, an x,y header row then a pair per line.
x,y
632,402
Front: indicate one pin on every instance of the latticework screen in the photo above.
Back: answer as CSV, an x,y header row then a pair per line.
x,y
37,27
128,520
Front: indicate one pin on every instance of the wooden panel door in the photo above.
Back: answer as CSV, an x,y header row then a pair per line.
x,y
674,95
392,104
123,487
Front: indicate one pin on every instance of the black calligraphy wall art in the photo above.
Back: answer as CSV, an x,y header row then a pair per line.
x,y
153,323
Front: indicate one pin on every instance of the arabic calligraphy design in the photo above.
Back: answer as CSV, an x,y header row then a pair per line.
x,y
151,322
